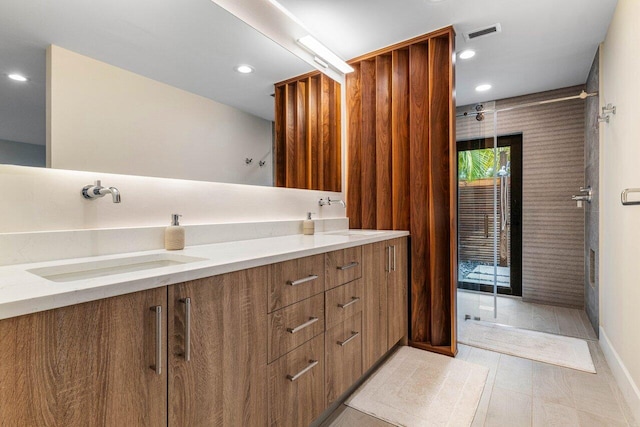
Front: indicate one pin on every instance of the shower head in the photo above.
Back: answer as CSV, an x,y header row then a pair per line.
x,y
480,117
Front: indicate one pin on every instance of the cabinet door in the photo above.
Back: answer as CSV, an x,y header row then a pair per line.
x,y
221,378
343,352
375,262
296,385
86,365
397,284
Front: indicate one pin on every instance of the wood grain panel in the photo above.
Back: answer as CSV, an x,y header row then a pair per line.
x,y
225,382
342,266
414,115
343,302
84,365
383,196
280,339
354,138
421,215
440,212
308,133
343,352
400,151
281,290
298,402
375,325
368,142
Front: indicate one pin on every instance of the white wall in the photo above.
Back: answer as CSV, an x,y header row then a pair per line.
x,y
620,225
104,118
38,199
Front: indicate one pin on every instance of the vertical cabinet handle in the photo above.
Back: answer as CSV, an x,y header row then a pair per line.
x,y
387,268
158,365
187,328
394,257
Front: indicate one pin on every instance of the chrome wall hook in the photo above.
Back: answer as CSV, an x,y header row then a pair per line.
x,y
607,111
248,161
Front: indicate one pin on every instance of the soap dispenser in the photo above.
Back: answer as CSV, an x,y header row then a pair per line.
x,y
174,234
308,226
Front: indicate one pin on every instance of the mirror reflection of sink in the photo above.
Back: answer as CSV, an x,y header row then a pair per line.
x,y
356,232
91,270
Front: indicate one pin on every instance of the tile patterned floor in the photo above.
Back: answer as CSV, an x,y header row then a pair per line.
x,y
522,392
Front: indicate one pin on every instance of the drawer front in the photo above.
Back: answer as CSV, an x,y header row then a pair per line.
x,y
296,385
295,280
343,302
343,266
343,347
294,325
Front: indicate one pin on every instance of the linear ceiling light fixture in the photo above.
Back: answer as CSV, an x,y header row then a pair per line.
x,y
322,52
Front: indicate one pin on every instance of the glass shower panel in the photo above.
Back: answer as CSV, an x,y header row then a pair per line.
x,y
479,216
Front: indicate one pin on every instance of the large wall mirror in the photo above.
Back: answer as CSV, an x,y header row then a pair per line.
x,y
142,88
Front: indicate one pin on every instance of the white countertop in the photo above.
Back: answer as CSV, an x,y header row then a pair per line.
x,y
22,292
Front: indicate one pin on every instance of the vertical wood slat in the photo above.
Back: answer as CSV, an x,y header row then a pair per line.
x,y
400,139
440,211
368,143
307,139
354,136
409,182
384,212
422,280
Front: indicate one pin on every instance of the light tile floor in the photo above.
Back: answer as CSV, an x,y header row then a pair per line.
x,y
522,392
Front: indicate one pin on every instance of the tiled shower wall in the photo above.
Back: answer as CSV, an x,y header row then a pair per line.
x,y
592,212
553,169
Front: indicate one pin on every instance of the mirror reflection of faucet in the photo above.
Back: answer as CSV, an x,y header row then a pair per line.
x,y
92,192
584,196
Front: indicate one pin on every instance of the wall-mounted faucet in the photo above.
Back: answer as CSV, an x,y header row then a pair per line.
x,y
92,192
331,201
584,196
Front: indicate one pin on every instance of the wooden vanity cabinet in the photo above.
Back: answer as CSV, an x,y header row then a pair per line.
x,y
385,316
222,378
88,364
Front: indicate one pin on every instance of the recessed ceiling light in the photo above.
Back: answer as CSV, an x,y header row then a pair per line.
x,y
17,77
483,88
244,69
466,54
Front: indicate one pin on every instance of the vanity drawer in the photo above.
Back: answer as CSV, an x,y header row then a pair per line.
x,y
294,325
343,266
343,302
343,352
295,280
296,385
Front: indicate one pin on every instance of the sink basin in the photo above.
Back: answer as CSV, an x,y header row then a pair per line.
x,y
356,232
90,270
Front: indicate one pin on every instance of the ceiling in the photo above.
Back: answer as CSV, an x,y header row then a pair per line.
x,y
544,44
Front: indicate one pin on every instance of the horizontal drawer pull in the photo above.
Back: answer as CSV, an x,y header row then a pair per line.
x,y
298,328
348,266
353,335
310,278
311,365
353,301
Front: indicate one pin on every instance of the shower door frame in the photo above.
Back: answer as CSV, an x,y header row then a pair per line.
x,y
514,141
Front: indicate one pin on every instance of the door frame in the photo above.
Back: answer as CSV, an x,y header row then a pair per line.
x,y
514,141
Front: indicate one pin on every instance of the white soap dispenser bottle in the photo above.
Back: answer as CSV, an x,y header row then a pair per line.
x,y
308,225
174,234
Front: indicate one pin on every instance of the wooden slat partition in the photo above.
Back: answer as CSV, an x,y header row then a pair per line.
x,y
307,147
401,173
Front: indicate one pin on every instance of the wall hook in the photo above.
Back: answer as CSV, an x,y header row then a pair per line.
x,y
248,161
261,163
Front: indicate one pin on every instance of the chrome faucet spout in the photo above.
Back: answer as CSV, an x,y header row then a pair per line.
x,y
330,201
92,192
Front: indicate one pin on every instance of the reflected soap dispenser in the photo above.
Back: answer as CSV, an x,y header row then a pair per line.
x,y
174,234
308,225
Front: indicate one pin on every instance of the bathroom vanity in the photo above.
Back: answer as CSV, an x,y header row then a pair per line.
x,y
259,332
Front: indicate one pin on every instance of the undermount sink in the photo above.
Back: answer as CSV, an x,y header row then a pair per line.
x,y
356,232
91,270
